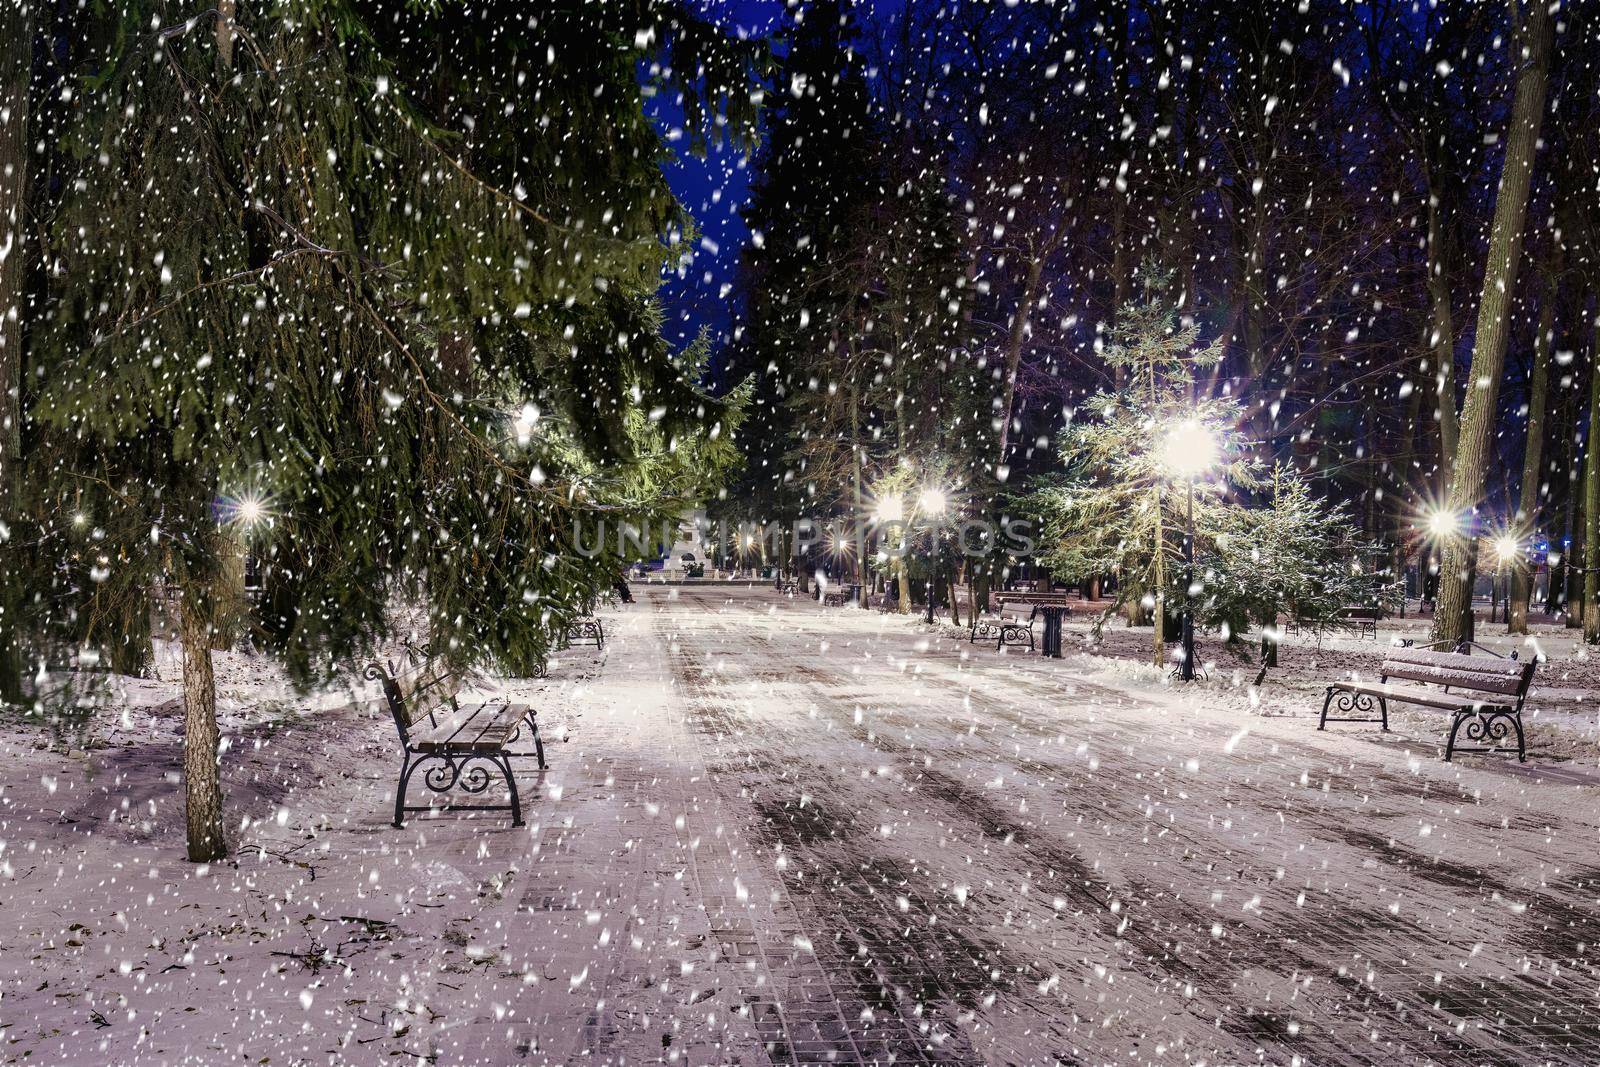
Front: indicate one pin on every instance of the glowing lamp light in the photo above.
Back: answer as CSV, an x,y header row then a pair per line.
x,y
890,509
1507,547
247,510
932,501
1189,449
1442,523
522,426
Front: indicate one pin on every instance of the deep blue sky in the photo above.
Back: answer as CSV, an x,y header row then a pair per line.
x,y
714,189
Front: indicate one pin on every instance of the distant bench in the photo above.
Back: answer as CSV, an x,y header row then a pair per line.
x,y
1487,700
837,596
1011,620
1363,620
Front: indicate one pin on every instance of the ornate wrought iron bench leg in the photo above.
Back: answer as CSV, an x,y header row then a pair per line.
x,y
599,636
538,742
1462,715
1030,637
511,784
1354,703
400,791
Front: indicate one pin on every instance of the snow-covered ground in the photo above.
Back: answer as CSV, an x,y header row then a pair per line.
x,y
775,833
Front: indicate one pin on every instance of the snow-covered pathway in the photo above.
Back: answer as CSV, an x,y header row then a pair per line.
x,y
1035,866
778,834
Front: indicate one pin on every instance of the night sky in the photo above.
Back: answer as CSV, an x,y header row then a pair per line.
x,y
714,189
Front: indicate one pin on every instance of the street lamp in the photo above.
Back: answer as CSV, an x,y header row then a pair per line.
x,y
932,503
1189,450
1443,523
1506,550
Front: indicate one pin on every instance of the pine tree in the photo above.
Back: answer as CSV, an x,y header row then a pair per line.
x,y
1116,508
386,323
804,306
1295,556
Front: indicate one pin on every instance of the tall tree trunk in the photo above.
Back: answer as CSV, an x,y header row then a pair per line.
x,y
226,10
1441,330
858,524
1014,343
1159,614
903,577
16,41
201,774
1562,590
1532,40
1532,463
1591,504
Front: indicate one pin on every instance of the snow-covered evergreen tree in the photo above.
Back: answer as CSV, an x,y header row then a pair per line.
x,y
376,311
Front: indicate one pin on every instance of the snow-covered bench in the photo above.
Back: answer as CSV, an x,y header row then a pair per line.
x,y
458,739
1363,620
1487,697
1011,621
837,596
586,629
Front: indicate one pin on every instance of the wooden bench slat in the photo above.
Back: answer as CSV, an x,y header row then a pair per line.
x,y
451,738
1455,661
475,727
1480,683
1432,698
1484,691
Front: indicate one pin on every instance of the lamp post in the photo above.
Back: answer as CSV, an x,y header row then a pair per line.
x,y
932,503
1506,550
1189,450
890,510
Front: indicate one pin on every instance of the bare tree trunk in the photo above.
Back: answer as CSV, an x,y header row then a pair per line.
x,y
1441,332
1570,536
201,774
1591,506
226,9
1159,615
1014,343
16,41
1532,463
903,577
858,523
1533,42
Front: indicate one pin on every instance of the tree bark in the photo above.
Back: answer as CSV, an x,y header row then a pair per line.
x,y
858,521
1159,615
226,10
1532,463
1441,331
1533,40
903,577
1014,343
201,772
1591,507
1570,537
16,40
